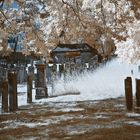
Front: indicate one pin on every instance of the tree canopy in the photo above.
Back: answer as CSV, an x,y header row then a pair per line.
x,y
38,25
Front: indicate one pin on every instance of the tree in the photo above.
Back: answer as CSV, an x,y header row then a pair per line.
x,y
47,23
121,21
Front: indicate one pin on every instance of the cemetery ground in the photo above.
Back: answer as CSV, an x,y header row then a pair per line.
x,y
106,119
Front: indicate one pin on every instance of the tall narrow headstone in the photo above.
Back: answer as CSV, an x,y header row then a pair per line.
x,y
128,93
138,92
4,91
31,71
12,88
29,88
41,85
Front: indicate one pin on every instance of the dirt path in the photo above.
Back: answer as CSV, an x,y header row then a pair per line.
x,y
90,120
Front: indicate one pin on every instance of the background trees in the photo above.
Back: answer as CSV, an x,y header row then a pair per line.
x,y
38,25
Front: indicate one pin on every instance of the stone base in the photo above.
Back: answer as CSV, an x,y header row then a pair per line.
x,y
41,93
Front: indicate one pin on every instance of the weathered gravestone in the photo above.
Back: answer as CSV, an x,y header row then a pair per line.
x,y
12,88
41,85
128,93
138,92
29,88
4,93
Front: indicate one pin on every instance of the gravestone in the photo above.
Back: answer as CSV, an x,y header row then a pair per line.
x,y
29,88
12,90
128,93
31,71
41,85
138,92
4,92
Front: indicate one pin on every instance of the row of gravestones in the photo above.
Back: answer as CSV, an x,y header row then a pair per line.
x,y
8,88
40,78
51,71
55,71
21,73
129,94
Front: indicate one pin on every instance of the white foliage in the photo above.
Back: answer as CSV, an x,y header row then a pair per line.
x,y
88,4
129,50
64,21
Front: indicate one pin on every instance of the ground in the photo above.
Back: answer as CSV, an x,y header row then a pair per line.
x,y
99,120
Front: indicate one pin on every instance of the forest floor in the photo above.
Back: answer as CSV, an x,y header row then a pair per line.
x,y
87,120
